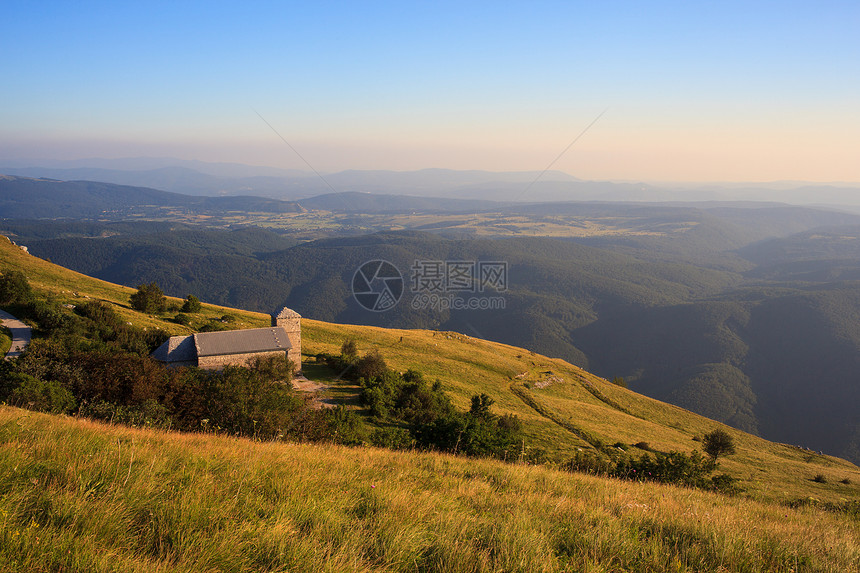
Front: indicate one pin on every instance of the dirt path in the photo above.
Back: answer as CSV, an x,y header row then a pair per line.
x,y
302,384
21,334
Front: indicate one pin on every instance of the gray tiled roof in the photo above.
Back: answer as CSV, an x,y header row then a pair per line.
x,y
241,341
176,349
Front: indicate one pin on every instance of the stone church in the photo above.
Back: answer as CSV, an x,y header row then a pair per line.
x,y
214,350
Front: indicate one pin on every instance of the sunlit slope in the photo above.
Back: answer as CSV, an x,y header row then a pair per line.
x,y
567,408
83,496
563,407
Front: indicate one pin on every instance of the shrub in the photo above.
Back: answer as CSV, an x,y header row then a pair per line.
x,y
49,315
148,414
35,394
590,463
345,427
725,483
416,402
392,438
148,298
481,406
673,467
240,401
100,313
472,435
14,288
274,368
370,366
182,319
643,446
191,304
213,325
348,350
718,443
819,478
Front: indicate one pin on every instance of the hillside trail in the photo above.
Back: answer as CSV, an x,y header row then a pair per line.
x,y
21,334
312,388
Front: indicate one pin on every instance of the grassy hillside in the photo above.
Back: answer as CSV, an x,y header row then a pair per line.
x,y
80,496
715,341
562,396
564,408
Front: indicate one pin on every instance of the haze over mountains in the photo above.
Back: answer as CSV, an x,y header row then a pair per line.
x,y
214,179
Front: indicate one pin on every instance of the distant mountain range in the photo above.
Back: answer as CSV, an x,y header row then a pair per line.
x,y
218,179
29,198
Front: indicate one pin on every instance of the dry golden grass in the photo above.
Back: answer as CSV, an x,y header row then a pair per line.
x,y
81,496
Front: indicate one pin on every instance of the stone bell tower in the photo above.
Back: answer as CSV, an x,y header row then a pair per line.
x,y
291,321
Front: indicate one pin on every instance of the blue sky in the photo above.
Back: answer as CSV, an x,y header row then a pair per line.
x,y
692,91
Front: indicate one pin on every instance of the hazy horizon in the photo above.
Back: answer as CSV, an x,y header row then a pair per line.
x,y
735,92
127,164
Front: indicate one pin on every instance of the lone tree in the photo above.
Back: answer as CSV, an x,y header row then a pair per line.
x,y
349,351
148,298
191,304
718,443
370,366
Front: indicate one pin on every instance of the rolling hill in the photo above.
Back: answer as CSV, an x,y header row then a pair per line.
x,y
716,319
563,407
78,495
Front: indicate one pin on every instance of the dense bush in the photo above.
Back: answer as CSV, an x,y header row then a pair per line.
x,y
369,367
14,288
148,298
394,438
182,318
345,427
349,351
421,414
191,304
48,315
465,433
213,325
692,470
45,396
